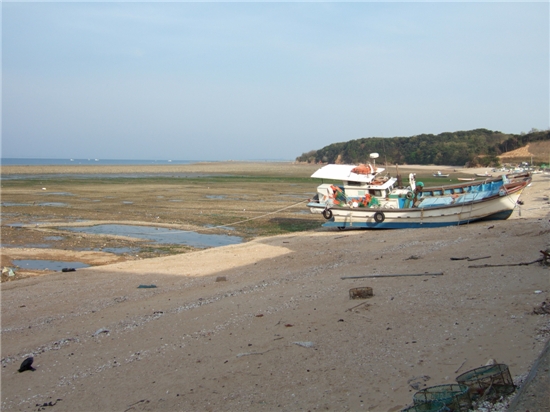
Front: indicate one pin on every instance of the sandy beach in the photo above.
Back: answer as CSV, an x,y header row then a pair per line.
x,y
269,324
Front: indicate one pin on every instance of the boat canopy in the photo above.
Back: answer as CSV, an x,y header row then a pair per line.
x,y
344,173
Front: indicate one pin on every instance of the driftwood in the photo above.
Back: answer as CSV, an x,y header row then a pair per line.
x,y
391,276
461,365
479,258
356,306
254,353
470,259
505,264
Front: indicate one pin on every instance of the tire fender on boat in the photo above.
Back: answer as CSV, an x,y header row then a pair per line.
x,y
410,195
327,214
379,217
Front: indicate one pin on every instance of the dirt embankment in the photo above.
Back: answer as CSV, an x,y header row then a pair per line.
x,y
537,152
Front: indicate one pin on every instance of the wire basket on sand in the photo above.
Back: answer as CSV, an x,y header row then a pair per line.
x,y
435,406
489,381
455,396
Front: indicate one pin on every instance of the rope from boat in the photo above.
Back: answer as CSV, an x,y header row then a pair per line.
x,y
176,231
264,215
533,208
471,207
514,204
460,213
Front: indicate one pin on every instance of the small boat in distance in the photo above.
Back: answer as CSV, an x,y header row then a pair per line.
x,y
439,174
486,174
370,199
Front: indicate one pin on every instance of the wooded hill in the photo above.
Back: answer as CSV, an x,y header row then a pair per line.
x,y
473,148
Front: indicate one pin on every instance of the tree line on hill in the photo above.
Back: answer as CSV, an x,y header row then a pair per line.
x,y
473,148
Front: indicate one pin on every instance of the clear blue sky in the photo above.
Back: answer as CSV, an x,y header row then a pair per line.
x,y
242,81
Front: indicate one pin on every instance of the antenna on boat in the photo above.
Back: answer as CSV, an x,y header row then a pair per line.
x,y
398,176
412,181
374,156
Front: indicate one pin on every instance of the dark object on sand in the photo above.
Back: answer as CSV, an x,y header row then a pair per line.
x,y
147,286
542,309
360,293
68,270
45,404
507,264
26,365
391,276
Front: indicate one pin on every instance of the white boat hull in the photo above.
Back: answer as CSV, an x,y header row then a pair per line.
x,y
496,207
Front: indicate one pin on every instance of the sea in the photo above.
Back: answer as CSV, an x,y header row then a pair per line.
x,y
10,161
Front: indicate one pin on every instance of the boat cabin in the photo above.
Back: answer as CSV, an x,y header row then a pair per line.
x,y
362,185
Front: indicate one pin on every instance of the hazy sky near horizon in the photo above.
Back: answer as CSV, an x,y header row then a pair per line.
x,y
247,81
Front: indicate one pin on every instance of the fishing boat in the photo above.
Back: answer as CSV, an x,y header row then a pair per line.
x,y
368,198
439,174
486,174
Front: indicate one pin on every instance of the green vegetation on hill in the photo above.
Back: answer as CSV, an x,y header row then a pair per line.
x,y
479,147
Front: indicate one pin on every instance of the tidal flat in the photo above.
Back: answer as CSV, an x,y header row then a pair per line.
x,y
237,200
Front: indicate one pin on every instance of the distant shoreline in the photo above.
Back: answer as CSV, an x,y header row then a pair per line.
x,y
16,161
196,167
289,168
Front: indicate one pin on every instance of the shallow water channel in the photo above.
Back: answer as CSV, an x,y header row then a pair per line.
x,y
38,264
157,235
160,235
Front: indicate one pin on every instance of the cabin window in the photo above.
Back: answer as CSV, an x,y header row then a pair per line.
x,y
354,183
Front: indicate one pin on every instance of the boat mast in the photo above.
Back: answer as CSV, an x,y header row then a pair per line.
x,y
374,156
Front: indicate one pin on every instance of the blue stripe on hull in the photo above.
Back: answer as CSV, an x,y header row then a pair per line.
x,y
414,225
